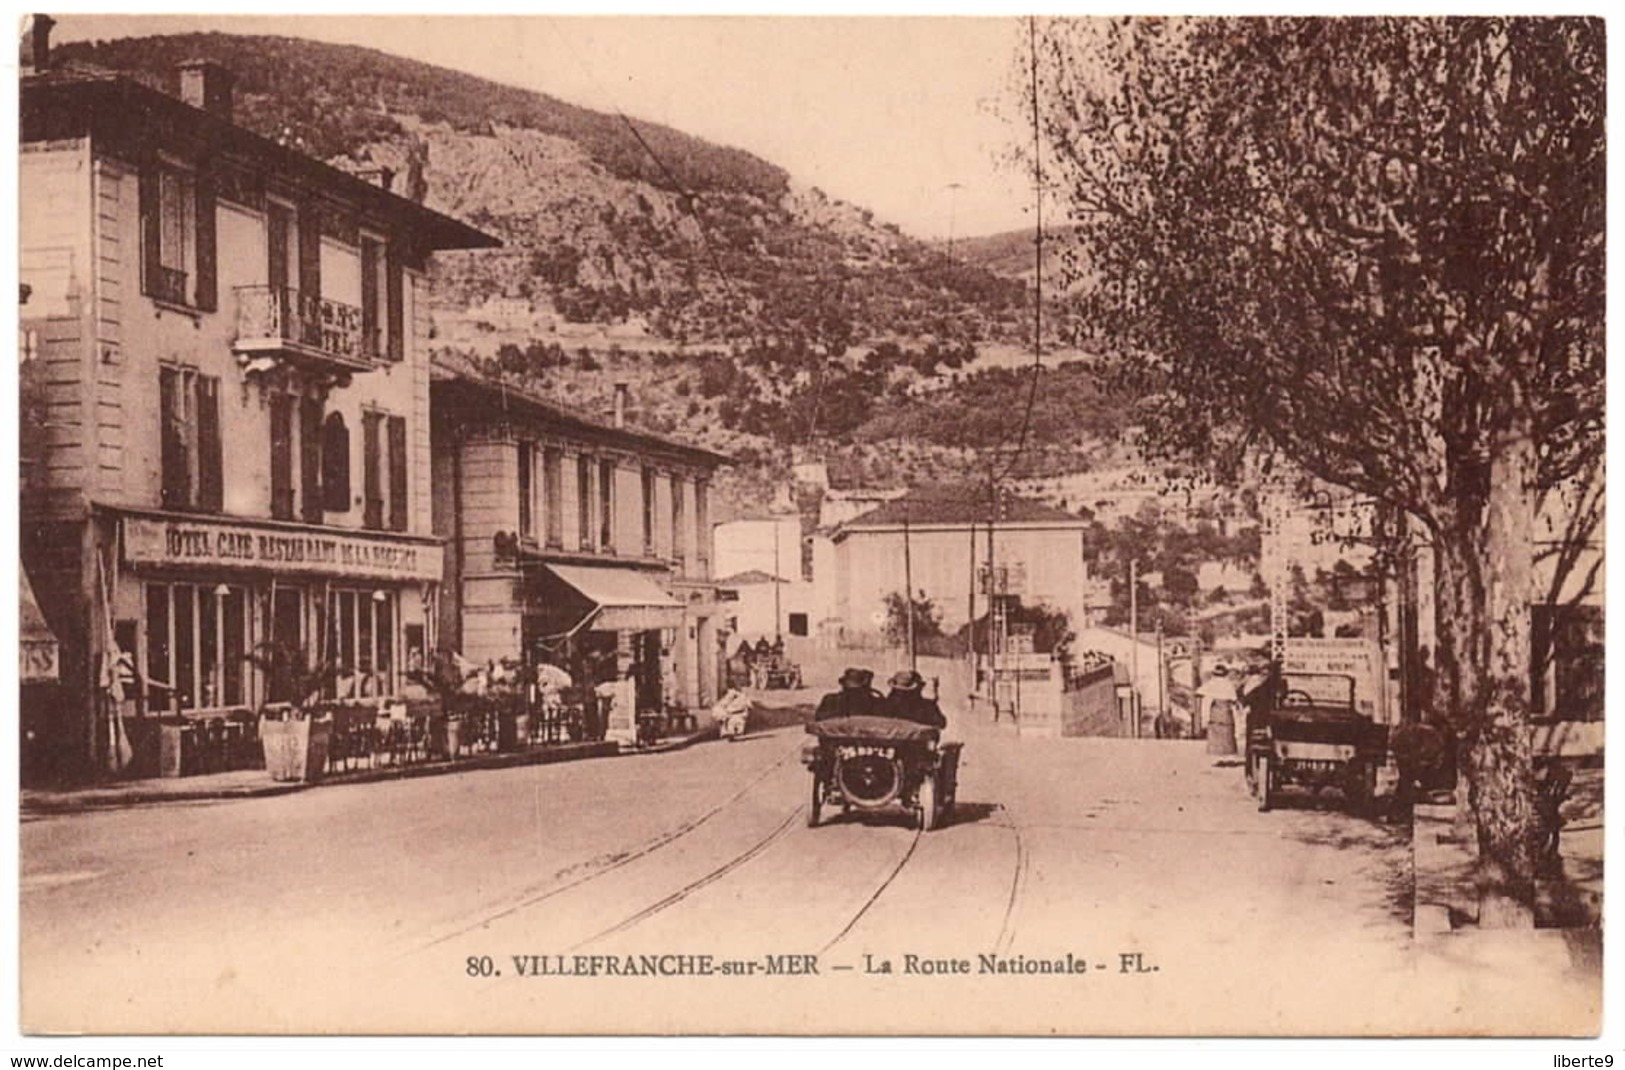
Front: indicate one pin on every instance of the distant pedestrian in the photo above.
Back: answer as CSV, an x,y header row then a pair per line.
x,y
1217,700
1253,695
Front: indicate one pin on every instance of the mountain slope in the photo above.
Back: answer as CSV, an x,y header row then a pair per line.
x,y
604,217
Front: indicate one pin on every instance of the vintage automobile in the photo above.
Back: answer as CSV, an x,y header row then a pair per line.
x,y
872,763
775,673
1304,729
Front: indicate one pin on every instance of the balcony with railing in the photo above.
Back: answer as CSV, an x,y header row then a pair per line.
x,y
278,321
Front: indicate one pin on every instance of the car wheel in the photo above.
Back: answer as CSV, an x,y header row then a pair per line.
x,y
1266,783
928,804
816,804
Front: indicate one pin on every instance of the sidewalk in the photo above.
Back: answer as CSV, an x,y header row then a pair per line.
x,y
257,783
1445,867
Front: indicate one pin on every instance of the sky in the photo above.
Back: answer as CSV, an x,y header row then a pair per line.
x,y
898,115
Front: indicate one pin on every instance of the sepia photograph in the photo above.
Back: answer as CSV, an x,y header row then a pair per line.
x,y
810,526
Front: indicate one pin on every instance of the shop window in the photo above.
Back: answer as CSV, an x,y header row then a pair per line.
x,y
197,646
606,505
335,464
361,643
285,630
1568,662
553,496
798,624
177,236
190,452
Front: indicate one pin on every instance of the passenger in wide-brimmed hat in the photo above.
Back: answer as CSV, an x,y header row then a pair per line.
x,y
907,701
856,698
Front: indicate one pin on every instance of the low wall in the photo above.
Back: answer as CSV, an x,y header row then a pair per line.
x,y
1089,706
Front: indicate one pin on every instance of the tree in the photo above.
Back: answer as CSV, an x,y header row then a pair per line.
x,y
1374,246
927,618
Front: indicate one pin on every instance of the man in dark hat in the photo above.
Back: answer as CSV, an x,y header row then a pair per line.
x,y
856,698
907,701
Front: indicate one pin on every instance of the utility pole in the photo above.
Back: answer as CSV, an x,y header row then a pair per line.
x,y
994,619
1162,675
970,605
908,589
953,204
1134,647
777,608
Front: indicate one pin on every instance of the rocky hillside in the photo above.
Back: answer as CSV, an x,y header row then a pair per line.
x,y
606,218
748,312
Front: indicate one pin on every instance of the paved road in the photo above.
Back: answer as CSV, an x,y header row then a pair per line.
x,y
366,908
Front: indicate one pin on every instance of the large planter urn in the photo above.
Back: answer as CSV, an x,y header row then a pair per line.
x,y
295,745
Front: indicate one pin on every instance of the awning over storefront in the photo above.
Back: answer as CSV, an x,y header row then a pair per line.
x,y
618,599
36,642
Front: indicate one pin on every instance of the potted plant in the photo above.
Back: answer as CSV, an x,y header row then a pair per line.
x,y
508,693
293,735
445,675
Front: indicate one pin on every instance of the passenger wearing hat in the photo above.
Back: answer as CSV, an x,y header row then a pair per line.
x,y
907,701
856,698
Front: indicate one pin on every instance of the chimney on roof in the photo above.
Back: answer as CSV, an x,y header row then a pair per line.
x,y
622,392
382,177
206,84
36,50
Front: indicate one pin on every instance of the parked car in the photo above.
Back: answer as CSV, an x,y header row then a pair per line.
x,y
1306,731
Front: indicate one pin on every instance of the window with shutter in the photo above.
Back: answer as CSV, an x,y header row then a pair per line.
x,y
175,427
679,535
553,496
210,458
282,413
584,502
397,474
527,490
205,293
370,278
702,529
606,505
335,464
372,475
177,236
648,512
395,305
308,305
279,246
310,460
190,448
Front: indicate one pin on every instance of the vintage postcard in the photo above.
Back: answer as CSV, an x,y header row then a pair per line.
x,y
553,526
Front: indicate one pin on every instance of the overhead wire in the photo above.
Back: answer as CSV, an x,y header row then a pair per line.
x,y
689,198
821,374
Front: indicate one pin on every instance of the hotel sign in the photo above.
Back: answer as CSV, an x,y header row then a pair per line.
x,y
188,543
